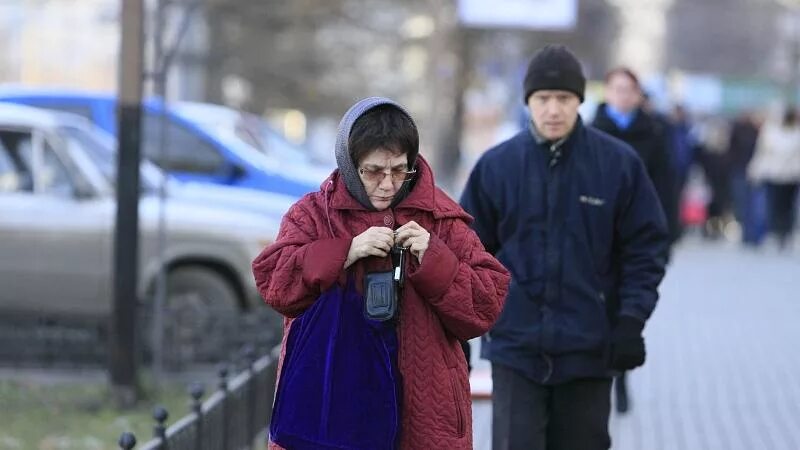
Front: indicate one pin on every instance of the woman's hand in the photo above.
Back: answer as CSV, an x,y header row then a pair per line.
x,y
376,241
413,236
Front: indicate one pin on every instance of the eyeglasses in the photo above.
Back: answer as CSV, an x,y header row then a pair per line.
x,y
377,176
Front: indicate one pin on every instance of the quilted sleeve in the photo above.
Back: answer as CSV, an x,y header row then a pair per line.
x,y
292,272
465,285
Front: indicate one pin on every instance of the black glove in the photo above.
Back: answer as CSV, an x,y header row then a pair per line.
x,y
627,344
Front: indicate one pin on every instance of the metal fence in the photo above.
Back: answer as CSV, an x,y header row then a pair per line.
x,y
232,418
62,341
40,341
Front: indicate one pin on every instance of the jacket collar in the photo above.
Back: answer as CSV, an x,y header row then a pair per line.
x,y
540,140
422,195
640,124
560,148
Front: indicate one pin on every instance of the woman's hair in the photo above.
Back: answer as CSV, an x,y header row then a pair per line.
x,y
384,126
789,117
626,72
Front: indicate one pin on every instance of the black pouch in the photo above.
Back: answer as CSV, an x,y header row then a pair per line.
x,y
381,296
382,289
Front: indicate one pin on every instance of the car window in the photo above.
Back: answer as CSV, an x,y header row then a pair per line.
x,y
9,179
101,150
184,152
53,174
258,134
20,158
50,172
83,111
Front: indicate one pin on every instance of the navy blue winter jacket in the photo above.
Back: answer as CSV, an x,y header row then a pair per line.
x,y
585,239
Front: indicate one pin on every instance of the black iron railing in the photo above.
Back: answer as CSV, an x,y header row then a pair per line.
x,y
234,417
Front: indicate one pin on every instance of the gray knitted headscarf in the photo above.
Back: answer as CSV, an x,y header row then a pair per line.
x,y
347,168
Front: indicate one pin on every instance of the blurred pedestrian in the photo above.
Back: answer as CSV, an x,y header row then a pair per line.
x,y
742,145
574,216
712,134
379,277
683,152
683,146
776,163
625,115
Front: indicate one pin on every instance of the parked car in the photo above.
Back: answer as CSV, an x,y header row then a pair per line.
x,y
250,129
103,151
57,212
203,144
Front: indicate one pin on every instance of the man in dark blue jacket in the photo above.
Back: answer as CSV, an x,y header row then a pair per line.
x,y
572,213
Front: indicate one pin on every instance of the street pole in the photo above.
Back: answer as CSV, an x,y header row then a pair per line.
x,y
163,56
123,355
160,90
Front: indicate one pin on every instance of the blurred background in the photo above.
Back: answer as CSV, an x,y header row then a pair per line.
x,y
457,65
241,103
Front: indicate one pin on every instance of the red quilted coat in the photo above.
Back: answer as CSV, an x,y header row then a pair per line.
x,y
455,294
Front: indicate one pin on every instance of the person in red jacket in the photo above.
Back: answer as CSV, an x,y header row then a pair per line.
x,y
350,379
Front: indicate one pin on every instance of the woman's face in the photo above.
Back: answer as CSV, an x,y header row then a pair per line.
x,y
622,93
383,173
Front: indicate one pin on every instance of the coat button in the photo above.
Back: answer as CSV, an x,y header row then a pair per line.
x,y
388,220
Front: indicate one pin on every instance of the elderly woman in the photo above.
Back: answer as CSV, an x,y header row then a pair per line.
x,y
379,277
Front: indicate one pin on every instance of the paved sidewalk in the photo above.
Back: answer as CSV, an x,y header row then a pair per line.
x,y
723,366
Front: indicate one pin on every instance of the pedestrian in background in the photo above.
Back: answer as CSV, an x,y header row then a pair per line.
x,y
683,156
713,134
380,278
683,145
745,195
572,213
624,116
777,164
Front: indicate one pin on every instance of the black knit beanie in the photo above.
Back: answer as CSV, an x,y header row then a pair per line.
x,y
554,67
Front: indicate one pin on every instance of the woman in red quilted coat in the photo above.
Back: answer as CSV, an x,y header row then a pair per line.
x,y
351,380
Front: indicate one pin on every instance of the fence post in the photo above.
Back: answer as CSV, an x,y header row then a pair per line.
x,y
127,441
160,430
197,391
223,387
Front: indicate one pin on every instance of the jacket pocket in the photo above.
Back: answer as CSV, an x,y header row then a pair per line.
x,y
523,254
592,227
458,398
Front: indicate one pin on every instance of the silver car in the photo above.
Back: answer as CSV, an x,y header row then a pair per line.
x,y
57,212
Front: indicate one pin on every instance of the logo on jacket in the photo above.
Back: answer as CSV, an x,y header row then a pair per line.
x,y
589,200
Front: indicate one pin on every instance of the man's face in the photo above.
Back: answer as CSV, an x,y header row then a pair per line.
x,y
383,173
622,93
554,112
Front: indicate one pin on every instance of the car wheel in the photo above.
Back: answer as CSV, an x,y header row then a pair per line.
x,y
200,312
